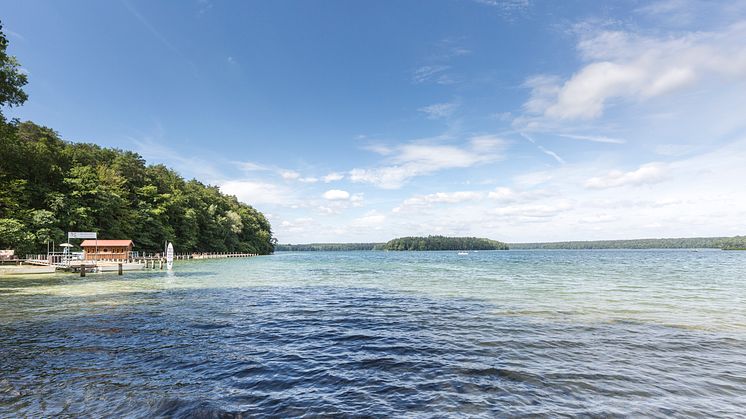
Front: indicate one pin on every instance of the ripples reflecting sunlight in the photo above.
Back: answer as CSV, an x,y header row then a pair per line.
x,y
526,333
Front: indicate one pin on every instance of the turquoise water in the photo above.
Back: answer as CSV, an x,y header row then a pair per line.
x,y
606,333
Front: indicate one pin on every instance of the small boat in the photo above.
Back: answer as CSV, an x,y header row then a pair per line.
x,y
463,253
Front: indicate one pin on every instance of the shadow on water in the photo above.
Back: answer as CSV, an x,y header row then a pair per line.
x,y
233,352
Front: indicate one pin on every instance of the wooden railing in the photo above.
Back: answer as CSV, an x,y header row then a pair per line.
x,y
149,259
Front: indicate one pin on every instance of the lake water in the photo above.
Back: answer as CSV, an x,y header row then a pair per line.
x,y
599,333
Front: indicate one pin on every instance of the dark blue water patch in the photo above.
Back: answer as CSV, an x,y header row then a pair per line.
x,y
325,351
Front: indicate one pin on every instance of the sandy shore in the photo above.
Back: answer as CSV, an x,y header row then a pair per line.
x,y
25,270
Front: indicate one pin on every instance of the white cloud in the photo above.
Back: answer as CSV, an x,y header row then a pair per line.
x,y
502,193
253,192
379,149
432,73
543,149
486,143
154,149
283,173
682,13
510,5
627,66
505,195
335,202
534,210
419,201
417,159
297,225
357,199
594,138
646,174
439,110
336,195
551,154
555,204
289,174
449,48
333,177
533,178
371,219
248,166
674,149
544,88
665,7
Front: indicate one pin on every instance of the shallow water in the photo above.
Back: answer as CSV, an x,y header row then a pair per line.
x,y
600,333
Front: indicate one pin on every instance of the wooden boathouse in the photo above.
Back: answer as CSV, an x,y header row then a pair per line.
x,y
106,249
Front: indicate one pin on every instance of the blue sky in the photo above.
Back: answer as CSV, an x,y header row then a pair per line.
x,y
361,121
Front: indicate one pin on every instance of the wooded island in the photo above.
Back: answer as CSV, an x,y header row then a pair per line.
x,y
442,243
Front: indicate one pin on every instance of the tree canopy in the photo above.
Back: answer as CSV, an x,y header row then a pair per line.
x,y
442,243
12,78
49,186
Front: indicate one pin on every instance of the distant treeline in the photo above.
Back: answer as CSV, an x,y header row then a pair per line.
x,y
407,243
442,243
324,247
727,243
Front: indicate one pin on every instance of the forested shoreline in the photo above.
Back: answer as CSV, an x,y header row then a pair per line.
x,y
49,186
725,243
325,247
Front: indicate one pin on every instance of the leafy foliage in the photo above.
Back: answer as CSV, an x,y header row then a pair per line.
x,y
50,186
12,79
442,243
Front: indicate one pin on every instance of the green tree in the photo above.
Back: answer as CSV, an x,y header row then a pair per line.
x,y
14,235
49,186
442,243
12,79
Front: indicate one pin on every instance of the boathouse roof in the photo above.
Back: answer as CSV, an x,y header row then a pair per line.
x,y
110,243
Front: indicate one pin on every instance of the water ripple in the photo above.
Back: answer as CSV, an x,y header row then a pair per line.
x,y
327,351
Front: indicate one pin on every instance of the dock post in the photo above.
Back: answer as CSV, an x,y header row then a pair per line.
x,y
119,271
82,271
160,264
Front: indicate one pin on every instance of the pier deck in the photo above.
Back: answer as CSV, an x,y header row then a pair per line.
x,y
134,262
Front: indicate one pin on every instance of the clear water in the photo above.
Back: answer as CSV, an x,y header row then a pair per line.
x,y
598,333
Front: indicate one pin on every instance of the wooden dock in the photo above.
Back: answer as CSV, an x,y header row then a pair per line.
x,y
215,255
133,262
